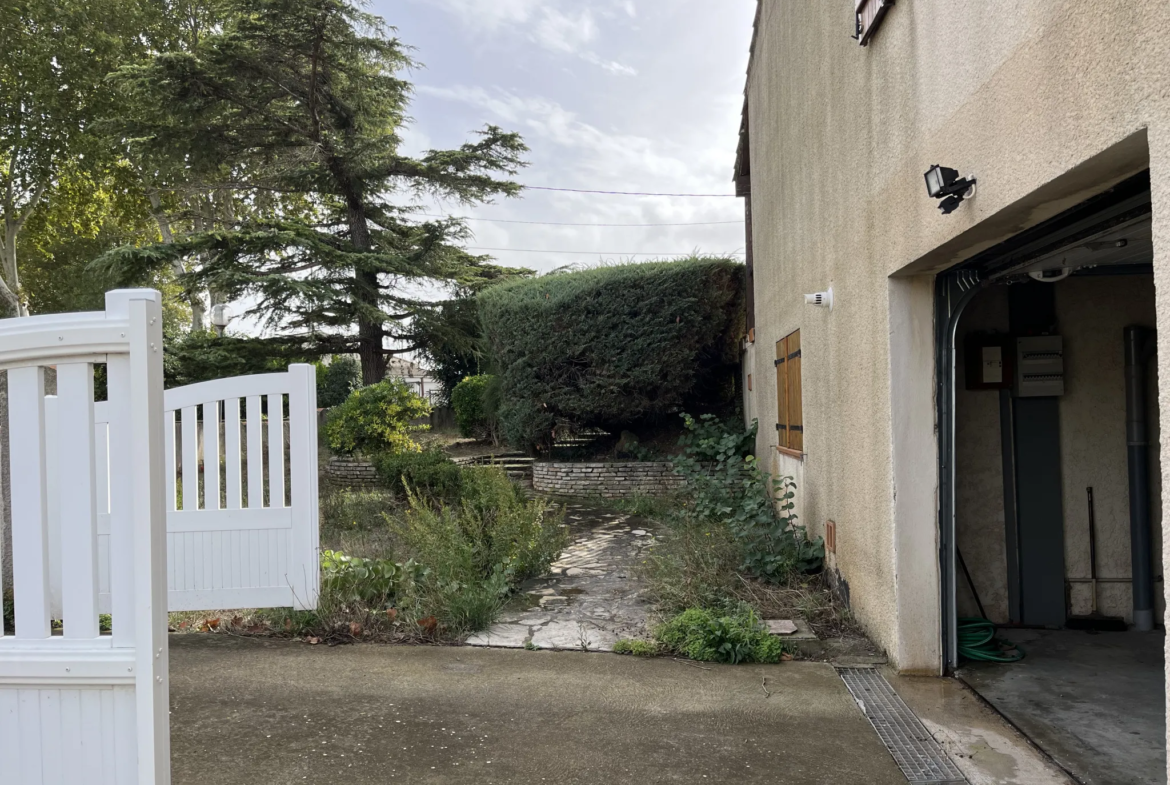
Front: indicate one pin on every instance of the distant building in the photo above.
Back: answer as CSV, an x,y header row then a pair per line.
x,y
416,376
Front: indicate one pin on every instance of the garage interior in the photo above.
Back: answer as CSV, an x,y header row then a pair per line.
x,y
1057,490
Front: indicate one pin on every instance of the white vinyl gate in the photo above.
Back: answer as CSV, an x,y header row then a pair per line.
x,y
81,707
242,532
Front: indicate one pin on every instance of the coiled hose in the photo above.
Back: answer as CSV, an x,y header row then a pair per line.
x,y
978,641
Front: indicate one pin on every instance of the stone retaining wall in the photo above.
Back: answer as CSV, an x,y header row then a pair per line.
x,y
350,472
609,480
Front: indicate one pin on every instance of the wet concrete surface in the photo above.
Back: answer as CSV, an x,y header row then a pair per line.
x,y
1094,702
592,596
985,747
266,711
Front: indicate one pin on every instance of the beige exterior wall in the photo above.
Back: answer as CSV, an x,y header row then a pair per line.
x,y
1046,101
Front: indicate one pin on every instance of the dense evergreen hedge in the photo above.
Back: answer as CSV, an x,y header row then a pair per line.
x,y
624,346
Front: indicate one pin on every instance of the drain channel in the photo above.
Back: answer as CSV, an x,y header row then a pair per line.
x,y
915,751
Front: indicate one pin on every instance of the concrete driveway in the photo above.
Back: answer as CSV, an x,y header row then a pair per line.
x,y
261,711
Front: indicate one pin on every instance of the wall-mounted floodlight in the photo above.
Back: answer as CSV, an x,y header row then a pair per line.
x,y
944,183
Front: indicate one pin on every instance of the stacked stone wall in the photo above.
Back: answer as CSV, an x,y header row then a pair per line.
x,y
349,472
619,480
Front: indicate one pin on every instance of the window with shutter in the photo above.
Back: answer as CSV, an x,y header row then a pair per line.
x,y
789,413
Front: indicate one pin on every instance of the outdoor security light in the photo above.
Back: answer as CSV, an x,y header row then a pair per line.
x,y
944,183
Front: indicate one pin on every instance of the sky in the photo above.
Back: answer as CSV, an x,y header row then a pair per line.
x,y
612,95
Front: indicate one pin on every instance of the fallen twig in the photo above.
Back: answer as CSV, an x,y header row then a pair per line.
x,y
764,685
692,664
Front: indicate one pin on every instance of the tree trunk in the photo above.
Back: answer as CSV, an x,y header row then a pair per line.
x,y
12,300
370,351
198,308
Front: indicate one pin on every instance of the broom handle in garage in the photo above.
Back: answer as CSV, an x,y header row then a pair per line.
x,y
1092,548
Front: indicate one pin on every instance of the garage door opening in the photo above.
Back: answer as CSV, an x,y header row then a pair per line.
x,y
1052,527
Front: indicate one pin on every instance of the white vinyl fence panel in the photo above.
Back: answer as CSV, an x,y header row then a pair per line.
x,y
82,707
238,534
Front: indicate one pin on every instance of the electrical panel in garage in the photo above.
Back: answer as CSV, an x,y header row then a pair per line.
x,y
1039,366
990,361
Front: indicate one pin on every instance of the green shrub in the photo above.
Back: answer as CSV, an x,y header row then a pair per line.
x,y
473,412
724,484
191,357
732,637
638,648
337,381
614,346
479,549
374,583
345,510
377,419
429,473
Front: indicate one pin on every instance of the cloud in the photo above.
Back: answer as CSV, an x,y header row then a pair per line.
x,y
566,32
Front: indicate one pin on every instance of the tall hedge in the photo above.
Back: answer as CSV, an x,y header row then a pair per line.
x,y
614,347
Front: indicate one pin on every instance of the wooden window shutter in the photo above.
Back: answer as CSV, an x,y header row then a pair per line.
x,y
782,392
795,408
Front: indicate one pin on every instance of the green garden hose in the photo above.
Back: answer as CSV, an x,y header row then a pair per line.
x,y
978,641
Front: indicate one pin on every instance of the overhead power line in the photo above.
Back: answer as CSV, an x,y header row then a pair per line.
x,y
623,193
558,223
599,253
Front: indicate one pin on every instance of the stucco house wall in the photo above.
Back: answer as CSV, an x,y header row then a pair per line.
x,y
1047,102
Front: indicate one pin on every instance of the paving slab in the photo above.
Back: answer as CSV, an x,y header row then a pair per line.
x,y
592,595
247,711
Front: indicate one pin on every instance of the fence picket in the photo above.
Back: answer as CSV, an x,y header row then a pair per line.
x,y
76,459
255,454
211,456
30,539
231,446
276,450
190,458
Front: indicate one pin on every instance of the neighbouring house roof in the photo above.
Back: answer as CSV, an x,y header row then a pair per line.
x,y
743,163
402,367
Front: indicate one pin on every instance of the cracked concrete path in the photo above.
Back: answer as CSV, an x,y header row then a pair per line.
x,y
592,596
247,711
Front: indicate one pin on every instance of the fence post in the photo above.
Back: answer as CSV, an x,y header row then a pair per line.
x,y
148,515
302,414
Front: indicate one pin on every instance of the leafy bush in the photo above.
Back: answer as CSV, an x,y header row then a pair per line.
x,y
638,648
725,484
374,583
337,381
478,550
733,637
474,413
614,346
191,357
428,473
376,419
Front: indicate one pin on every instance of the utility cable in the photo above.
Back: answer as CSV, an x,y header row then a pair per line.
x,y
558,223
623,193
598,253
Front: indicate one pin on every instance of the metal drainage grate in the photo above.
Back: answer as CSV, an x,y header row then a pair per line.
x,y
915,751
